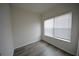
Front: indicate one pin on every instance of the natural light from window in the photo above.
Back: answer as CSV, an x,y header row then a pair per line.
x,y
59,27
48,26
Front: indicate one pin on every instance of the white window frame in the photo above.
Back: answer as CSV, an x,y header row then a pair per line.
x,y
60,38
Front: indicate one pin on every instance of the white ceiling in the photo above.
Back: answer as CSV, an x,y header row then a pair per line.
x,y
35,7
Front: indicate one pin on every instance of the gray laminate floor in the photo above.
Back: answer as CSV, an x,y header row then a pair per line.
x,y
40,48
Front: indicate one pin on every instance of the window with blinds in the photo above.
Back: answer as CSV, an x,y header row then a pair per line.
x,y
59,27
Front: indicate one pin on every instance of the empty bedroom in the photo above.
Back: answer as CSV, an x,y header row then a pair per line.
x,y
39,29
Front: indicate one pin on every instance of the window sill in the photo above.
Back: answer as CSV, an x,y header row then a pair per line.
x,y
58,38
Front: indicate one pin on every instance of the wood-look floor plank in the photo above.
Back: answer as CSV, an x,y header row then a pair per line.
x,y
40,48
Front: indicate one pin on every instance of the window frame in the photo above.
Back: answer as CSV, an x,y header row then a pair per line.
x,y
59,38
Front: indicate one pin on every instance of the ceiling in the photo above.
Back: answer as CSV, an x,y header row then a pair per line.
x,y
35,7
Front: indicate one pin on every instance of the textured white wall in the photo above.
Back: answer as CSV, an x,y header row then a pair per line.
x,y
58,10
26,27
6,44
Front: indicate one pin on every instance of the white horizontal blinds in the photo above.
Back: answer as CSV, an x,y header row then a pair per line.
x,y
62,26
48,27
59,27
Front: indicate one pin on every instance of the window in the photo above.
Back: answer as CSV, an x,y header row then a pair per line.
x,y
59,27
48,27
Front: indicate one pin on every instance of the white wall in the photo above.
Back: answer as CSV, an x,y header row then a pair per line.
x,y
78,49
26,27
78,38
6,45
58,10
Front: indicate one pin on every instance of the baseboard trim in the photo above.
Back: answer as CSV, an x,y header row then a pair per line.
x,y
58,48
17,49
